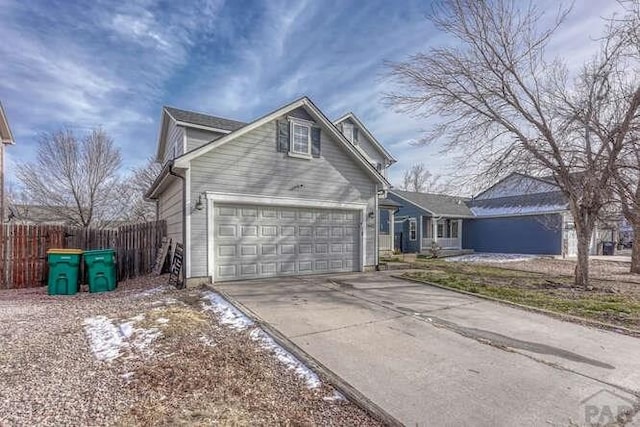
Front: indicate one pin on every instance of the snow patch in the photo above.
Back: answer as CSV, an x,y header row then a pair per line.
x,y
491,257
104,338
335,397
144,338
109,340
126,329
235,319
127,376
151,291
481,211
206,341
227,313
162,320
286,358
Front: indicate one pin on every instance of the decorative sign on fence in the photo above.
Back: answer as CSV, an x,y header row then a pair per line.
x,y
176,267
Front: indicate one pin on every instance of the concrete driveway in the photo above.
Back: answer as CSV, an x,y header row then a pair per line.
x,y
429,356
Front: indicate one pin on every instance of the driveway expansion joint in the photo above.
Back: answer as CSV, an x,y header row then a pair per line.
x,y
354,325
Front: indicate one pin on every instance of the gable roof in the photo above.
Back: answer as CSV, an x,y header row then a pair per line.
x,y
436,204
6,136
351,116
191,119
544,180
187,118
184,160
525,204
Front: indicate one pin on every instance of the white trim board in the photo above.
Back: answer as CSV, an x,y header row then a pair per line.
x,y
249,199
187,238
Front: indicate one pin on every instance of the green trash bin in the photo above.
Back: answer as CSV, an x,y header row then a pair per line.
x,y
64,265
101,269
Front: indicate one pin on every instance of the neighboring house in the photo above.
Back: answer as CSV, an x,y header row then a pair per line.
x,y
426,218
521,214
285,194
518,214
26,214
6,138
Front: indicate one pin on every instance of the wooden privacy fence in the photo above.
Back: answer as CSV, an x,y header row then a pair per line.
x,y
23,249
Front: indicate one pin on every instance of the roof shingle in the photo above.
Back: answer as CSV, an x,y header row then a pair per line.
x,y
439,204
204,119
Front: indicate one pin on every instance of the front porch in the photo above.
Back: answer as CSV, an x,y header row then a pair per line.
x,y
443,233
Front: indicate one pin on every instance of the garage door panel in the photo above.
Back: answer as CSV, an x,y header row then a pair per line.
x,y
259,241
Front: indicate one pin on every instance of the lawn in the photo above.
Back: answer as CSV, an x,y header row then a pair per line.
x,y
606,302
148,354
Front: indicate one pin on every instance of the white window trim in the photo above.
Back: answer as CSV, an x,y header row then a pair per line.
x,y
295,122
415,230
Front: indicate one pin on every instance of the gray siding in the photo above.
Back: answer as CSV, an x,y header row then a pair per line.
x,y
251,165
170,209
199,137
175,141
368,146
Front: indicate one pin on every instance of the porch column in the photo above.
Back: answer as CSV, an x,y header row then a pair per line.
x,y
392,231
434,223
460,233
420,232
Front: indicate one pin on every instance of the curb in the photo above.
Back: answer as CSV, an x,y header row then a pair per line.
x,y
560,316
346,389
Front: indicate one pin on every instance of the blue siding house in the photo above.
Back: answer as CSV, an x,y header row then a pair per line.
x,y
519,214
426,219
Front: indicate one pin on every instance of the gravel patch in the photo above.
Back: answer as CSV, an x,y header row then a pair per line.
x,y
149,354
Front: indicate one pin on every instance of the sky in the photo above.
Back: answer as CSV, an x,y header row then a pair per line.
x,y
79,65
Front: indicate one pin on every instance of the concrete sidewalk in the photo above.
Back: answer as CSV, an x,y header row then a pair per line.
x,y
430,356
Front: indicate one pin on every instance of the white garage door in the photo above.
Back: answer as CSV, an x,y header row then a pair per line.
x,y
264,241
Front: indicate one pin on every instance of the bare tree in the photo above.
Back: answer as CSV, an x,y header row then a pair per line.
x,y
418,178
138,182
75,179
508,108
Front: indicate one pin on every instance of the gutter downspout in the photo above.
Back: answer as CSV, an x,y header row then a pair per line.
x,y
184,214
375,235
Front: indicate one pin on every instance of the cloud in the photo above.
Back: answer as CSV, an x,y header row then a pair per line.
x,y
115,64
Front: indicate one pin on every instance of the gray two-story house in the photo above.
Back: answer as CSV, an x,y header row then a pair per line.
x,y
286,194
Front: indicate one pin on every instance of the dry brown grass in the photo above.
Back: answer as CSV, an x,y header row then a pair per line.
x,y
226,379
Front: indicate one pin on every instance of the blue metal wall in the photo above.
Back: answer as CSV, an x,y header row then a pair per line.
x,y
409,211
538,234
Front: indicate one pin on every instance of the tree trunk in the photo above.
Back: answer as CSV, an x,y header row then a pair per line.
x,y
582,267
584,223
635,249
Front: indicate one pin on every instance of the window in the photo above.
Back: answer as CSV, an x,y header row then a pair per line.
x,y
440,229
412,229
347,131
454,229
301,141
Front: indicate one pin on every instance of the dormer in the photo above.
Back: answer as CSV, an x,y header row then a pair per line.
x,y
356,133
182,131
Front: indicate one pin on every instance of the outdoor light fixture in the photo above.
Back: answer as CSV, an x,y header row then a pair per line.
x,y
199,204
371,215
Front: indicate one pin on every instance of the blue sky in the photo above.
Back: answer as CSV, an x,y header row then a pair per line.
x,y
110,64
